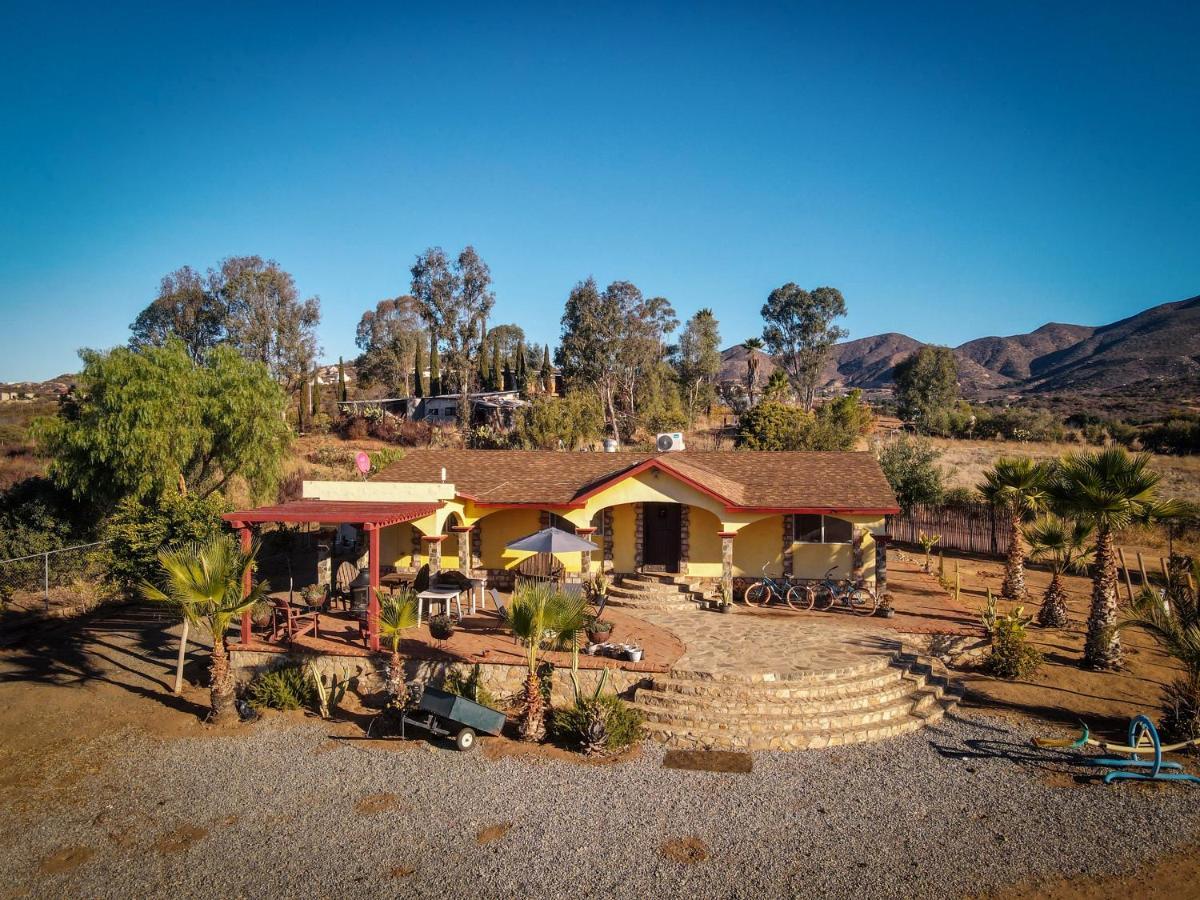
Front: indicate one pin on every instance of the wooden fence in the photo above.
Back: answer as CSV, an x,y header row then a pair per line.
x,y
970,527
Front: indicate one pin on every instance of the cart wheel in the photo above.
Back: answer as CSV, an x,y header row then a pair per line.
x,y
465,739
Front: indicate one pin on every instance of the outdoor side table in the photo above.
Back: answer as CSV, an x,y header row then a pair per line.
x,y
442,595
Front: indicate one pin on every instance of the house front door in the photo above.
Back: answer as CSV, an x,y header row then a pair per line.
x,y
661,532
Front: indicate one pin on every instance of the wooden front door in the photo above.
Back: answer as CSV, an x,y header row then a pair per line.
x,y
661,531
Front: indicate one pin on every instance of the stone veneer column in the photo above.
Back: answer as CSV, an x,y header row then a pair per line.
x,y
789,545
727,560
464,547
856,551
639,530
606,561
585,559
417,550
685,531
881,545
433,546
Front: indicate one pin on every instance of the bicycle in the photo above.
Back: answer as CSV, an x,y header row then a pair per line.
x,y
854,596
763,593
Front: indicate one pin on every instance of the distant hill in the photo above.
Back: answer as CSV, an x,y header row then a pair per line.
x,y
1154,351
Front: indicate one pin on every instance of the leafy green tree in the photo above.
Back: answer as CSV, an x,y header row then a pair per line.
x,y
753,346
659,404
418,373
778,388
522,367
771,425
144,422
698,360
910,466
497,372
189,306
927,388
388,336
510,338
435,368
570,422
36,516
1108,489
799,332
455,301
204,582
1021,487
137,531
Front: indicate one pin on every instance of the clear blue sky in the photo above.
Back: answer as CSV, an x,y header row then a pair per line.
x,y
957,169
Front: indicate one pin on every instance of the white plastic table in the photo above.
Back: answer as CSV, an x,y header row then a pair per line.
x,y
443,595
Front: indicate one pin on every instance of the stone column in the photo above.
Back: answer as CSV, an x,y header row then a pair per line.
x,y
789,545
881,545
416,549
433,549
606,560
685,530
727,560
464,547
639,531
373,591
476,547
585,557
856,551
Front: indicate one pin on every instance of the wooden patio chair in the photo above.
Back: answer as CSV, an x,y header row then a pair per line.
x,y
291,622
346,573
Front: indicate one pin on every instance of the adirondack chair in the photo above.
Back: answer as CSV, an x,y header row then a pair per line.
x,y
289,621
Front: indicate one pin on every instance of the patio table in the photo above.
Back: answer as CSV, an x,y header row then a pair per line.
x,y
442,594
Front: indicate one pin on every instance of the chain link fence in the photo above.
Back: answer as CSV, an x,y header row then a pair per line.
x,y
60,582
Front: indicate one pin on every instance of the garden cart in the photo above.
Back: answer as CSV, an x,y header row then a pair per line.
x,y
449,715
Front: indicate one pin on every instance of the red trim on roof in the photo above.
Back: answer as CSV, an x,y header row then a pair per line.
x,y
335,512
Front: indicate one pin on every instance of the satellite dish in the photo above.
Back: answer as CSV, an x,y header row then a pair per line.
x,y
363,462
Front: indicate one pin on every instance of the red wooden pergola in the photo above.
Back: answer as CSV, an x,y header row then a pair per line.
x,y
370,516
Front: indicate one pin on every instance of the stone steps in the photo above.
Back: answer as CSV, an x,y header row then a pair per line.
x,y
646,592
877,698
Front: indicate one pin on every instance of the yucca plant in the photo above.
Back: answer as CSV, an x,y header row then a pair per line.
x,y
1064,545
1108,489
928,542
397,614
540,617
1173,620
204,581
1021,487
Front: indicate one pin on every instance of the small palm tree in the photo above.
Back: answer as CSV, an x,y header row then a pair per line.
x,y
1109,489
397,614
1063,544
1020,486
1174,622
752,346
204,580
541,617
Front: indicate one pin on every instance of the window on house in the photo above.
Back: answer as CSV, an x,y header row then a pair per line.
x,y
811,529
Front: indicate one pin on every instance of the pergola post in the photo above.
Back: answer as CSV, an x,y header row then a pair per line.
x,y
463,532
372,531
433,549
727,561
585,556
245,540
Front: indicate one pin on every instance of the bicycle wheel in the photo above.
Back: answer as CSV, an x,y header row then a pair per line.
x,y
822,598
758,594
862,602
800,597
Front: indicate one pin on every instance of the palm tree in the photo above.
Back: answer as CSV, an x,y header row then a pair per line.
x,y
752,346
1174,622
1021,487
397,613
1109,489
204,580
1063,544
540,616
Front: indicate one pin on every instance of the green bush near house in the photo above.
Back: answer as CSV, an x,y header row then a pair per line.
x,y
137,530
469,686
1011,656
288,687
596,724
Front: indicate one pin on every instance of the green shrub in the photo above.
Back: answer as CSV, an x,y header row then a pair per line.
x,y
469,686
597,724
288,687
137,530
910,466
1011,655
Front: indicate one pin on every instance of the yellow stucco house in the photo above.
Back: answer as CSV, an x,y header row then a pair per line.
x,y
707,515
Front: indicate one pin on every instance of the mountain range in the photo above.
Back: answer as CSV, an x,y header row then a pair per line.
x,y
1153,353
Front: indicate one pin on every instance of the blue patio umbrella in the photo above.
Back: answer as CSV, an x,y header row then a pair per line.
x,y
553,540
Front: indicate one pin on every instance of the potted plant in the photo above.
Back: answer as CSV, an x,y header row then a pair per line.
x,y
885,609
597,588
262,613
313,596
441,627
598,632
725,593
633,654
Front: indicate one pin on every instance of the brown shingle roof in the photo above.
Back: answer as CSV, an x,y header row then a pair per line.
x,y
738,478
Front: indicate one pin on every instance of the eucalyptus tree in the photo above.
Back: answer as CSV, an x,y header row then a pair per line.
x,y
798,330
698,360
188,307
455,299
388,335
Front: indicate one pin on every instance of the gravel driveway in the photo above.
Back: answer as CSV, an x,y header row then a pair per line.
x,y
282,809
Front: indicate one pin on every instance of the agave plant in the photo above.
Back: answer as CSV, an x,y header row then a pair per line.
x,y
1173,620
1021,487
1109,489
542,617
397,614
204,581
1064,545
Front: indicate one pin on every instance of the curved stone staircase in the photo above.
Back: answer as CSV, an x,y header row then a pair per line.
x,y
878,698
648,591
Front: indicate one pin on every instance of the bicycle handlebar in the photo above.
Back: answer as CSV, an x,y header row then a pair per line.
x,y
832,569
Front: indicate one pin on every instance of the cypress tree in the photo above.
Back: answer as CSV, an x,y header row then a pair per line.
x,y
435,371
520,363
341,381
419,374
509,383
497,374
547,373
316,392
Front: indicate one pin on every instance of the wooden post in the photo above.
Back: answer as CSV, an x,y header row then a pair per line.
x,y
585,556
957,583
373,591
244,539
1162,564
1125,569
1142,569
182,652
